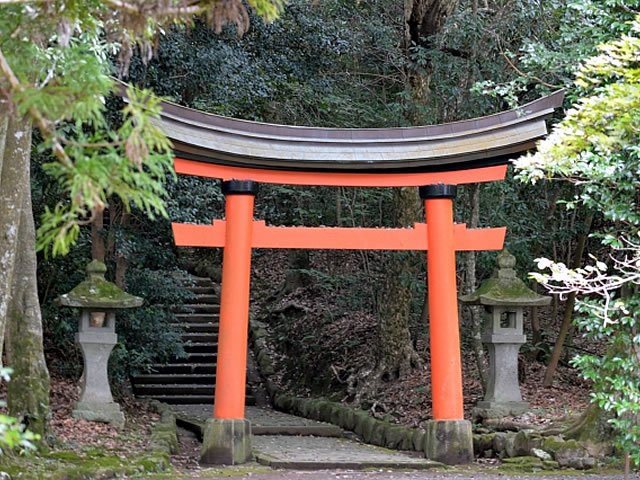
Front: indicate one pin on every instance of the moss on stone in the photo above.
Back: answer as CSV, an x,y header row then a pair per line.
x,y
89,464
521,464
503,291
483,442
347,418
553,444
360,418
96,292
505,288
324,411
379,433
368,424
395,437
417,440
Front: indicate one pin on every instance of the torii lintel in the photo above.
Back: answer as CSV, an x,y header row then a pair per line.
x,y
336,238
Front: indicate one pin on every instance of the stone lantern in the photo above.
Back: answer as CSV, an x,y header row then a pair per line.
x,y
504,298
98,301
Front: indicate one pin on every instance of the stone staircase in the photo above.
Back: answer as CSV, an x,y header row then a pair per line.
x,y
190,380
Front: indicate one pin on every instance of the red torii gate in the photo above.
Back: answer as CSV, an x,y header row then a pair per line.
x,y
436,159
239,234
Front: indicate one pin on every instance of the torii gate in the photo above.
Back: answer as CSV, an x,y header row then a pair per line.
x,y
433,158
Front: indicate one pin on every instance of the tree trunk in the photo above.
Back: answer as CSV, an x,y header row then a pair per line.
x,y
15,154
97,240
568,311
593,431
470,281
121,259
422,20
28,390
536,331
396,355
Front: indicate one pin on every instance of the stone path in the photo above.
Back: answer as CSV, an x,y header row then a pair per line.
x,y
313,453
264,421
253,472
286,441
309,457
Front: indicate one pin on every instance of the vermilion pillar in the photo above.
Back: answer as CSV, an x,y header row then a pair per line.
x,y
448,437
446,368
234,300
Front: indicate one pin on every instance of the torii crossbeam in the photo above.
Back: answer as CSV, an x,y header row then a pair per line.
x,y
434,158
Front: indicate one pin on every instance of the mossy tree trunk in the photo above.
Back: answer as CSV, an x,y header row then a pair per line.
x,y
28,391
396,356
593,431
395,353
15,152
20,317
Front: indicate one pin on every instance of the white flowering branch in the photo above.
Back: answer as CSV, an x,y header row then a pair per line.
x,y
595,279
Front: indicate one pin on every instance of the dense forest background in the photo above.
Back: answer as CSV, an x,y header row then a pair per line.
x,y
344,63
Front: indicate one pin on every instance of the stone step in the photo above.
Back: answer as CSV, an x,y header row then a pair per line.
x,y
201,281
204,290
197,318
198,357
175,389
199,308
205,327
189,380
184,368
191,399
174,379
205,299
201,337
201,347
190,280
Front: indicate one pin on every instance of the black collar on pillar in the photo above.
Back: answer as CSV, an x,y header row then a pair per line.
x,y
239,187
438,190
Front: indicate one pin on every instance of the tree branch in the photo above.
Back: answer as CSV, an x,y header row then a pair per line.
x,y
127,7
41,122
521,73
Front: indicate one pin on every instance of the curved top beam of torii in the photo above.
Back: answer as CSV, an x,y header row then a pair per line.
x,y
478,142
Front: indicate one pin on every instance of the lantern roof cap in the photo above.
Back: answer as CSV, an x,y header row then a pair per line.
x,y
505,288
97,293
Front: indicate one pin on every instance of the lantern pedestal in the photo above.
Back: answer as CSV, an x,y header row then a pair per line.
x,y
96,402
502,397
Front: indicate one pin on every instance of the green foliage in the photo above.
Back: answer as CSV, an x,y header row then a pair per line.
x,y
116,163
13,435
615,375
595,146
306,68
55,69
553,38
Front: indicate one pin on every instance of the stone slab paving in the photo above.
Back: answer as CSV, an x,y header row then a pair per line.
x,y
470,474
312,453
264,421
